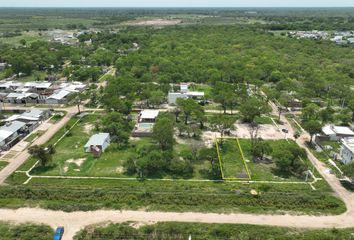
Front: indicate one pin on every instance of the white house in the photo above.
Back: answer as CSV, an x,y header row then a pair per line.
x,y
58,97
347,150
336,133
148,115
97,143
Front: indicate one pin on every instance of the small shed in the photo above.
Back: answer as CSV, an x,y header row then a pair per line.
x,y
97,143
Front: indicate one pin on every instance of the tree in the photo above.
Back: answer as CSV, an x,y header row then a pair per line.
x,y
23,42
43,154
261,148
222,124
225,94
310,112
351,108
312,127
163,133
118,127
252,108
156,98
288,159
187,107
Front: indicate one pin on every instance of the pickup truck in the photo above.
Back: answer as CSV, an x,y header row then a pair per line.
x,y
58,233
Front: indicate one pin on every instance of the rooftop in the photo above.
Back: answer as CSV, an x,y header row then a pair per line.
x,y
38,84
349,143
59,95
9,129
149,114
331,129
97,139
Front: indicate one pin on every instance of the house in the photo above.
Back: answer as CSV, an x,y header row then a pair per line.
x,y
32,118
97,144
30,115
73,86
22,98
145,124
9,86
11,133
38,87
335,133
58,97
148,116
347,150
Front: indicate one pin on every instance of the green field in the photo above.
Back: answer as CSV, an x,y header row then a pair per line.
x,y
25,232
176,230
233,164
29,37
90,194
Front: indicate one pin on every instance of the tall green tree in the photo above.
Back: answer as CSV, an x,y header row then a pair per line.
x,y
163,133
312,127
252,108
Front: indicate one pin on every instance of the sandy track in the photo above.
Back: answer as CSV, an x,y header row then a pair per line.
x,y
75,221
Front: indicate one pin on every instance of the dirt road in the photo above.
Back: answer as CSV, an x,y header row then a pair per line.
x,y
75,221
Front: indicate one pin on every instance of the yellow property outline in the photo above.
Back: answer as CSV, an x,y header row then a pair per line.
x,y
242,156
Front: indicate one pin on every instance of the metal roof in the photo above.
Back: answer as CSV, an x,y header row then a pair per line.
x,y
7,130
97,139
61,94
149,114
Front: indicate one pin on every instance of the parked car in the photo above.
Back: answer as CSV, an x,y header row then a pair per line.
x,y
285,130
58,233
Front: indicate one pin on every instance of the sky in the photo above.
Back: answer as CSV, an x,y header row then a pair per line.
x,y
177,3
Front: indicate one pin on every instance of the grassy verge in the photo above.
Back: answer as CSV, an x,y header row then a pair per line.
x,y
35,135
25,232
3,164
90,194
175,230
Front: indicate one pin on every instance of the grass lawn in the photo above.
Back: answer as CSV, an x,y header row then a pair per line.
x,y
263,171
35,135
233,165
3,164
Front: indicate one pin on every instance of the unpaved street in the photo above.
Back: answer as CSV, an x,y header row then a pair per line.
x,y
75,221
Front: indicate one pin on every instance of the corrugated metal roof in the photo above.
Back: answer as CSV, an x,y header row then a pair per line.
x,y
7,130
97,139
59,95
